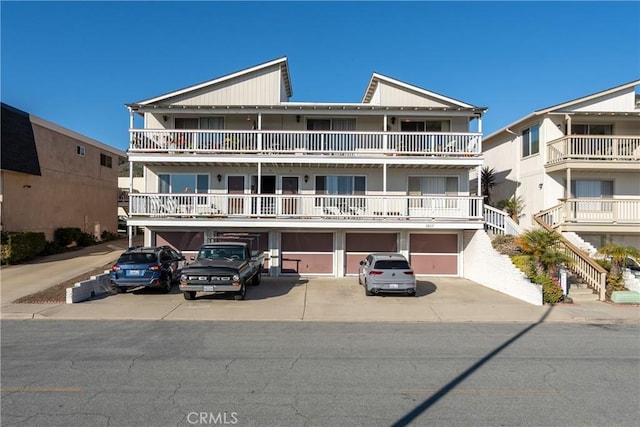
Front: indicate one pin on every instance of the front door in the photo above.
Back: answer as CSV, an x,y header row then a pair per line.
x,y
264,204
290,186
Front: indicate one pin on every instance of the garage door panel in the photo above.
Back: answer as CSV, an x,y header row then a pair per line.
x,y
434,264
359,245
305,263
434,243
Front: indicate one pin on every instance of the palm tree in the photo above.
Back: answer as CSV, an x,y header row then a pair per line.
x,y
542,245
488,181
512,206
618,256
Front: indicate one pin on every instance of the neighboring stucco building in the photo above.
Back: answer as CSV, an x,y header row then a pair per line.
x,y
53,177
319,185
579,162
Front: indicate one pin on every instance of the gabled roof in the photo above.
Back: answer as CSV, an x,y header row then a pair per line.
x,y
280,61
19,152
565,105
376,78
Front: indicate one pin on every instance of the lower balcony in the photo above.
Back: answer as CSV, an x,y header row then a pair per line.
x,y
606,215
287,207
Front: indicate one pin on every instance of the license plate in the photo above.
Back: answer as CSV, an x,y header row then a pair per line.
x,y
208,288
393,286
135,272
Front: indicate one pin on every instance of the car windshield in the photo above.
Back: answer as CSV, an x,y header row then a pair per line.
x,y
222,253
392,264
137,258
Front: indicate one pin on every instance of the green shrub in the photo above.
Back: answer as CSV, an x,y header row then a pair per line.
x,y
526,264
604,263
551,289
86,239
22,246
506,245
51,248
107,236
66,236
615,282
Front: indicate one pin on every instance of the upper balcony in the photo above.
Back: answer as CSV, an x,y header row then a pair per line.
x,y
466,147
603,152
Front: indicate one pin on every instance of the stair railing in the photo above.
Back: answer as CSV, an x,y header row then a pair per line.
x,y
499,222
582,264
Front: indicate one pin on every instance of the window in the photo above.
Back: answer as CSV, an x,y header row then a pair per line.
x,y
105,160
425,126
589,188
591,129
433,186
346,185
183,182
80,150
531,141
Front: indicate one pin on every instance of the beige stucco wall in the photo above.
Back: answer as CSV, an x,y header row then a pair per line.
x,y
73,190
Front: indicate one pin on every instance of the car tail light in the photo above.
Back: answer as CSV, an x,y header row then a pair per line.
x,y
409,273
374,272
116,268
155,267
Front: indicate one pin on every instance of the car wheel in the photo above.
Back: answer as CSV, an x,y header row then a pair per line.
x,y
256,279
189,295
367,292
411,293
239,296
117,290
165,285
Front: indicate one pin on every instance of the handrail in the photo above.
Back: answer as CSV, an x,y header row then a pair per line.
x,y
594,147
582,265
499,222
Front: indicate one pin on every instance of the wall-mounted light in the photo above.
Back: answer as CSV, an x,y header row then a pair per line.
x,y
219,178
306,178
165,117
393,120
248,118
26,186
540,185
298,118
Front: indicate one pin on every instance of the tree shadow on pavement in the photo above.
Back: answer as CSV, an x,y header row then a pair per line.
x,y
451,385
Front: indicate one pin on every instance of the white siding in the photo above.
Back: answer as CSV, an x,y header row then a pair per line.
x,y
394,96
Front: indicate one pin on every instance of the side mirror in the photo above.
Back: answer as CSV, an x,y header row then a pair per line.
x,y
362,262
183,258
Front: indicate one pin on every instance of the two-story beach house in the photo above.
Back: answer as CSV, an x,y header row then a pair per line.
x,y
576,166
317,185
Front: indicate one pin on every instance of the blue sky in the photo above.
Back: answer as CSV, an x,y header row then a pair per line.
x,y
77,63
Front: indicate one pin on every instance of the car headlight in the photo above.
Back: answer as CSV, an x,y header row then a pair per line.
x,y
236,277
183,277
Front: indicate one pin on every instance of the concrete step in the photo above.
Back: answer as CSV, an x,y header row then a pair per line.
x,y
582,293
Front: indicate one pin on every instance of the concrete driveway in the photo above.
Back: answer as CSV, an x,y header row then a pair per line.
x,y
439,299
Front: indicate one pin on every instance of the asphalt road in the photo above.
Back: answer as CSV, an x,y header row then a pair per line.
x,y
163,373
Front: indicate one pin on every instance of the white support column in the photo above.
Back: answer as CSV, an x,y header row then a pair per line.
x,y
274,254
338,250
130,229
403,243
480,123
479,169
260,134
385,137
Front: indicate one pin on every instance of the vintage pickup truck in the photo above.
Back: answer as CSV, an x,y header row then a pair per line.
x,y
222,267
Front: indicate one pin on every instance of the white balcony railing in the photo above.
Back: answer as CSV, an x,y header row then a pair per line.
x,y
593,211
594,147
305,206
307,142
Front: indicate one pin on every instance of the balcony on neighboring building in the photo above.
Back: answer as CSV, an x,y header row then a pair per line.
x,y
588,214
595,152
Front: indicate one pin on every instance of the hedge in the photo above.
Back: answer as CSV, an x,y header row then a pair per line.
x,y
22,246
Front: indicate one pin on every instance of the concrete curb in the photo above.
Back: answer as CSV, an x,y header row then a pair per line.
x,y
85,290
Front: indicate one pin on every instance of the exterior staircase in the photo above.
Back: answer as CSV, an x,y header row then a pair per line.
x,y
580,243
